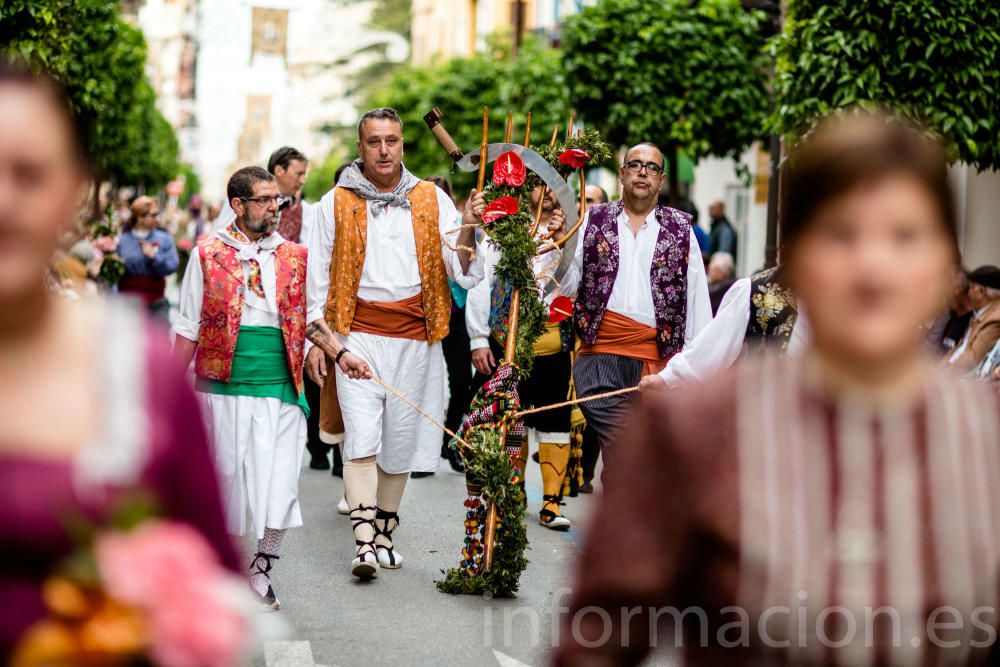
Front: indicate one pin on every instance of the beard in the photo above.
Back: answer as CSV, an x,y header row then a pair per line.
x,y
267,223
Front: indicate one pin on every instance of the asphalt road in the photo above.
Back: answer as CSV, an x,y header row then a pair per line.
x,y
400,618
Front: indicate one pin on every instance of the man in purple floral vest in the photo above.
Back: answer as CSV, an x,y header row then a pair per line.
x,y
643,291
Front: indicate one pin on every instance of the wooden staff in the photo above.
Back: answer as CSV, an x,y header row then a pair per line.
x,y
490,529
545,189
510,127
583,204
483,150
569,125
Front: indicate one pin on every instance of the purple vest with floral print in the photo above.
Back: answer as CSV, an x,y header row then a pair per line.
x,y
667,275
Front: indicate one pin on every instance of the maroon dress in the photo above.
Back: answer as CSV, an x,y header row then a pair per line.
x,y
776,523
153,441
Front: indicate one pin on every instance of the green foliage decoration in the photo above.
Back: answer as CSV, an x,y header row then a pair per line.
x,y
487,462
933,62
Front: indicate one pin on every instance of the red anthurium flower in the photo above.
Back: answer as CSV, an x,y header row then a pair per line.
x,y
574,157
509,170
500,208
560,309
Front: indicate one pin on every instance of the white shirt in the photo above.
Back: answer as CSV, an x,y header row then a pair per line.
x,y
477,308
390,271
632,295
257,312
720,343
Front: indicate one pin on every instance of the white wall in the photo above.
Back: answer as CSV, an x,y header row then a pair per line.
x,y
716,178
978,203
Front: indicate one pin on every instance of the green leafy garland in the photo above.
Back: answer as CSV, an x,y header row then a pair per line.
x,y
487,462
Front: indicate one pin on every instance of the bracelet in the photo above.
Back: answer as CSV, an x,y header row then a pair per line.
x,y
342,352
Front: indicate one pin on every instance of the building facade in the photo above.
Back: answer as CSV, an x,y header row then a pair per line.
x,y
239,78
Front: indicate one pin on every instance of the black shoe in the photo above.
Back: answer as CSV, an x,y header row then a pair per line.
x,y
319,463
587,488
420,475
267,602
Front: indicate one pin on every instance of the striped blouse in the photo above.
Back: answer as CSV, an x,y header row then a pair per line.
x,y
776,524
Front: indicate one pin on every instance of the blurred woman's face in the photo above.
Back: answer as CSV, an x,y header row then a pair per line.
x,y
873,266
41,186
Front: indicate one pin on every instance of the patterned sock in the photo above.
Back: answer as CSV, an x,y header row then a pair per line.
x,y
269,544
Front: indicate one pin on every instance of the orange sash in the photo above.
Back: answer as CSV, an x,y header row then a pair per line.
x,y
624,337
395,319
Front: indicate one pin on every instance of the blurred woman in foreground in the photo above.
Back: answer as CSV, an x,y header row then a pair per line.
x,y
823,510
94,409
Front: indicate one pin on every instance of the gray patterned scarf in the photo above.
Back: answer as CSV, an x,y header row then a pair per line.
x,y
354,179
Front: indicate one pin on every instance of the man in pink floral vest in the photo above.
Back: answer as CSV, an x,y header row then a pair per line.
x,y
242,317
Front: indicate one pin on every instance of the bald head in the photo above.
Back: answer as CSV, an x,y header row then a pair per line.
x,y
646,151
642,177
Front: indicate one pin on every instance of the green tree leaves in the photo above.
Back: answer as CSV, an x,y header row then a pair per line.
x,y
461,87
691,76
100,59
934,62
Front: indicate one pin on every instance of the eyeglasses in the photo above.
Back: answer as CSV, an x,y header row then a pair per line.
x,y
265,201
635,166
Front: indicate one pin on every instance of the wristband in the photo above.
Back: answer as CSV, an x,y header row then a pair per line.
x,y
342,352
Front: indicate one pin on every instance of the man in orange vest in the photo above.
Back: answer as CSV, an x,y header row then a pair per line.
x,y
383,246
243,319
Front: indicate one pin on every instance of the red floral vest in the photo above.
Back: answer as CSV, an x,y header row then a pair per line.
x,y
222,307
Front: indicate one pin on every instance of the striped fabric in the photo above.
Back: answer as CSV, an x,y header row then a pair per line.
x,y
839,528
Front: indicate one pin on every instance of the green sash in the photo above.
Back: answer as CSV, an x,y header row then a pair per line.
x,y
259,369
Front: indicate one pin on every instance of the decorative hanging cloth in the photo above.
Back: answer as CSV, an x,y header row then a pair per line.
x,y
249,251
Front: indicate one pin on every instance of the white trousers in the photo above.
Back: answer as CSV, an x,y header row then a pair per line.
x,y
258,445
376,423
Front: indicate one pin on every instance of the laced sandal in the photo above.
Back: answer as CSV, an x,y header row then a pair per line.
x,y
365,563
553,520
268,601
387,556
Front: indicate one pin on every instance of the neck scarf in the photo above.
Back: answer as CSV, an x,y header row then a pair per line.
x,y
354,179
249,250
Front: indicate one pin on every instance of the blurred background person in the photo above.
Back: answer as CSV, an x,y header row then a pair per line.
x,y
983,299
149,255
94,407
856,477
289,167
594,195
949,328
721,276
458,358
721,234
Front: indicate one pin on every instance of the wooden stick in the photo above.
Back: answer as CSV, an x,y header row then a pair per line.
x,y
489,537
483,150
583,204
527,130
545,190
569,125
510,127
416,407
577,401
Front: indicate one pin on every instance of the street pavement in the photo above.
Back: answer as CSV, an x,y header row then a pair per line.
x,y
400,618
